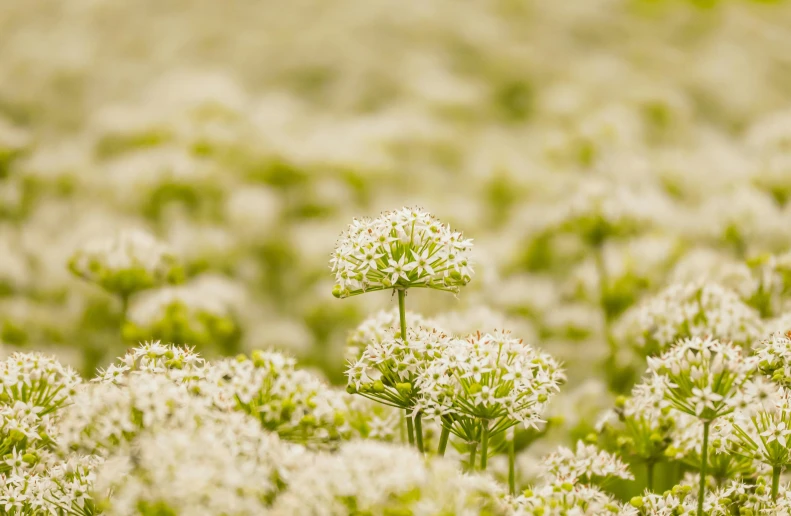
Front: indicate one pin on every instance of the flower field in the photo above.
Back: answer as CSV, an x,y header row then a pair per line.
x,y
376,258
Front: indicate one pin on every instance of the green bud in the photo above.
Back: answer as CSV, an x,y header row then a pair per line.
x,y
405,389
351,388
636,501
378,386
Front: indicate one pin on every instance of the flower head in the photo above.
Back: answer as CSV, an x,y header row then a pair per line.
x,y
400,249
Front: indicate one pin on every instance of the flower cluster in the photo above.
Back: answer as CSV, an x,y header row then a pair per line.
x,y
292,402
377,329
566,498
704,376
200,313
774,358
126,263
390,370
225,466
375,478
586,464
400,249
642,424
688,310
492,377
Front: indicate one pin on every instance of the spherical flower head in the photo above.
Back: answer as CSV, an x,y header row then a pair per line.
x,y
761,425
703,375
180,363
367,477
490,376
686,310
599,210
586,464
376,329
106,415
388,370
774,358
186,314
227,466
38,380
642,424
294,403
42,481
566,498
126,263
401,249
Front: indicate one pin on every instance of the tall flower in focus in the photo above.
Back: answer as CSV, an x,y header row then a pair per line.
x,y
401,249
704,378
398,250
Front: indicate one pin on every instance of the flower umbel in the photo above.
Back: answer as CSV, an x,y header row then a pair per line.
x,y
400,249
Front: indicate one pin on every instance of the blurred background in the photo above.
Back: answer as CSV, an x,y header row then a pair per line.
x,y
597,151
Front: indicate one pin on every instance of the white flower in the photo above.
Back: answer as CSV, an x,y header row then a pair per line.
x,y
400,249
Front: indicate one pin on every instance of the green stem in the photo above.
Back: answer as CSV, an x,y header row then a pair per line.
x,y
485,445
443,440
409,429
402,312
419,432
473,449
776,470
649,469
511,466
601,269
703,466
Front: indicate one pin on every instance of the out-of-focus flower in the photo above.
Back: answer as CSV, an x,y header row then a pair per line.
x,y
127,263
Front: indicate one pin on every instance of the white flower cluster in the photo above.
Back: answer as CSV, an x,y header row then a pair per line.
x,y
223,466
556,499
493,377
378,328
289,401
774,358
389,370
688,310
38,380
704,376
126,263
586,464
400,249
201,313
761,430
641,423
374,478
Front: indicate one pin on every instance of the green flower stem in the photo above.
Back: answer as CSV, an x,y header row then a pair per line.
x,y
419,432
649,470
402,316
703,466
484,445
776,470
473,449
443,440
402,311
601,269
511,466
